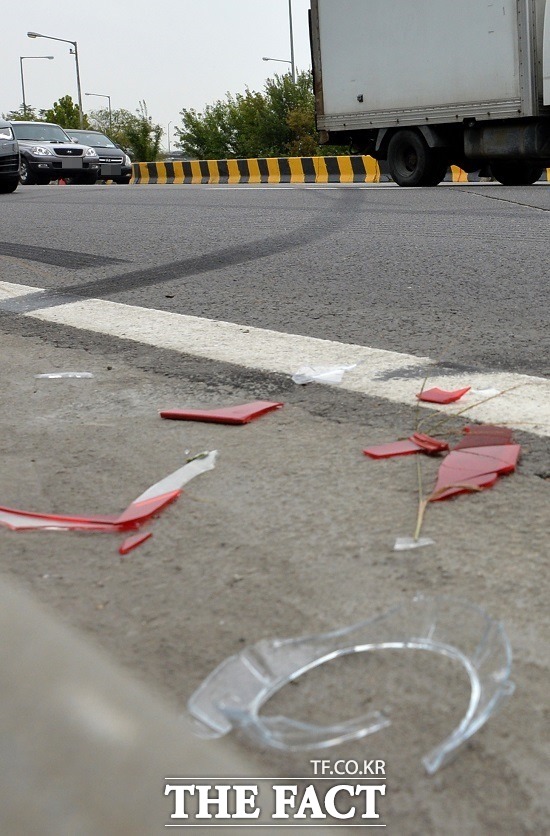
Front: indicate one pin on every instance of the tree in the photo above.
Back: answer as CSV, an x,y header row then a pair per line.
x,y
280,121
65,113
138,134
22,114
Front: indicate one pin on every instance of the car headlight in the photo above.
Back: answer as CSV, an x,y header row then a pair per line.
x,y
127,160
42,151
90,152
6,133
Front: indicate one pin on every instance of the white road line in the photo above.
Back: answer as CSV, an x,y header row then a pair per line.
x,y
526,406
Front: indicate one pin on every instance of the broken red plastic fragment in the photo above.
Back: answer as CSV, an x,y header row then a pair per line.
x,y
441,396
154,499
133,542
394,448
429,444
417,443
474,483
486,436
480,429
464,470
242,414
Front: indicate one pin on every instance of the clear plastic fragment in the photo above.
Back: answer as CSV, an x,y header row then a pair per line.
x,y
63,375
321,374
234,693
403,544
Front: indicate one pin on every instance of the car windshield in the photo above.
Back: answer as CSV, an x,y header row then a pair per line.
x,y
91,138
38,131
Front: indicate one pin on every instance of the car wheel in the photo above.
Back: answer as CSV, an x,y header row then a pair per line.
x,y
26,176
9,184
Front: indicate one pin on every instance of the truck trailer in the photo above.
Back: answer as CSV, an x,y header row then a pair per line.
x,y
425,84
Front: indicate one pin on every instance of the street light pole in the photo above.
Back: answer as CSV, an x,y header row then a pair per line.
x,y
105,96
292,62
21,59
168,134
75,53
279,60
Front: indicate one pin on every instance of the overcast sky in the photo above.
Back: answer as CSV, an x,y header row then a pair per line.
x,y
174,54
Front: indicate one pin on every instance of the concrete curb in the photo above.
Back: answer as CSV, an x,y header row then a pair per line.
x,y
275,170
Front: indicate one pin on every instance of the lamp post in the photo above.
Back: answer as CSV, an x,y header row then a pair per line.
x,y
292,62
105,96
75,53
168,135
282,60
21,59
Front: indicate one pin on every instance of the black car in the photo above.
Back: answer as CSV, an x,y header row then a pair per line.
x,y
9,159
115,163
47,153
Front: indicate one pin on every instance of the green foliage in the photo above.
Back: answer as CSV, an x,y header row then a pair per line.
x,y
65,112
279,122
22,114
137,134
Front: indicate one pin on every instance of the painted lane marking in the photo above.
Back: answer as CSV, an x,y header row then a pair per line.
x,y
382,374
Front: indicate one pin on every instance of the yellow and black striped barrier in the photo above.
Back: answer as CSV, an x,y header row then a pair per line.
x,y
262,170
346,169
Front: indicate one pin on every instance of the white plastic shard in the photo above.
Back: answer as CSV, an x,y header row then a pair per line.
x,y
234,693
64,376
176,480
403,544
321,374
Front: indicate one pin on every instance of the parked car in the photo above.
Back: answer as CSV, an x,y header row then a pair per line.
x,y
47,153
115,163
9,159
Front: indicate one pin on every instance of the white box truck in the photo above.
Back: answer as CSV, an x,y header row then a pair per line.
x,y
425,84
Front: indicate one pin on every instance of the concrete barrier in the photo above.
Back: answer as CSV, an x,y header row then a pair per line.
x,y
262,170
346,169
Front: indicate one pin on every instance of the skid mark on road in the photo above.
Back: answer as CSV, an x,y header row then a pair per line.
x,y
379,373
58,258
317,229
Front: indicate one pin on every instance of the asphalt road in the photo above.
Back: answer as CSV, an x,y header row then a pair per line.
x,y
458,274
292,533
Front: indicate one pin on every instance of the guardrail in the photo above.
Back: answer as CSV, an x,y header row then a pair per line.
x,y
346,169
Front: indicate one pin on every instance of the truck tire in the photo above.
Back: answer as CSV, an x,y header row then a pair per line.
x,y
516,173
412,162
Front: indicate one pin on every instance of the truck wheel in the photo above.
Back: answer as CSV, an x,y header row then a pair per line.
x,y
412,162
516,173
25,174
